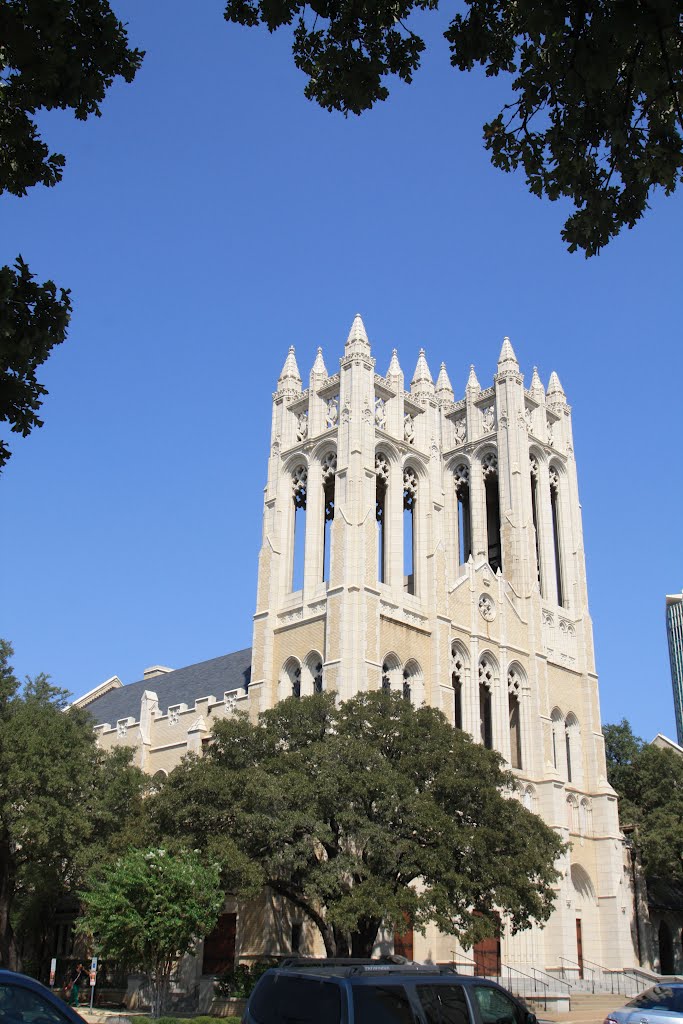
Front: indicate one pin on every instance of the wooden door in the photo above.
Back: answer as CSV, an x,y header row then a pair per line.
x,y
403,941
487,955
579,946
219,946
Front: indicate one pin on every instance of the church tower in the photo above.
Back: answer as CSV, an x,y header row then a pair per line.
x,y
431,545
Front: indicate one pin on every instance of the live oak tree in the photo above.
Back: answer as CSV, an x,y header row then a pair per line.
x,y
54,54
649,783
365,813
597,109
148,908
64,805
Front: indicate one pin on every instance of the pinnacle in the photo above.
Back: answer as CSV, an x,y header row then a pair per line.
x,y
536,384
422,378
394,366
290,372
443,384
472,382
319,368
507,355
555,388
357,332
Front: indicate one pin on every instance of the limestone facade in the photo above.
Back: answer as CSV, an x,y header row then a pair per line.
x,y
417,541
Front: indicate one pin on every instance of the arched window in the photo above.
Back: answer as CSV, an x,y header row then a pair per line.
x,y
392,677
572,740
554,477
329,468
412,682
458,664
486,682
290,679
409,524
462,493
572,814
585,818
299,488
318,678
557,737
533,473
312,676
529,798
489,465
381,485
514,693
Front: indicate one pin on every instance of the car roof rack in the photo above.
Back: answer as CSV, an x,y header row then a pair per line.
x,y
387,964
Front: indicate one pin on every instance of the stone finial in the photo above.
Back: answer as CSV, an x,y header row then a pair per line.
x,y
422,383
555,394
357,339
289,379
319,369
394,366
472,382
537,389
507,360
444,391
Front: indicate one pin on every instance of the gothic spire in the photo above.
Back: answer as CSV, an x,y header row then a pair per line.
x,y
394,366
507,359
289,379
537,389
357,340
472,382
444,391
555,394
319,369
422,383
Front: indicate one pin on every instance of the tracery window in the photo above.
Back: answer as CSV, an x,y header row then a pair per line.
x,y
534,474
457,682
329,469
290,679
409,529
381,487
489,465
554,477
318,678
514,693
462,493
299,494
486,681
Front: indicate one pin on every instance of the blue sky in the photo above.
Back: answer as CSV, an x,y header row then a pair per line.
x,y
211,218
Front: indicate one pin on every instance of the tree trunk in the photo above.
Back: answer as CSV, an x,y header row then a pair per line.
x,y
342,943
9,954
363,939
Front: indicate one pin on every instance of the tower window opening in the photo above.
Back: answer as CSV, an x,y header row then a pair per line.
x,y
407,692
568,747
409,522
490,471
318,678
554,749
514,688
486,680
329,468
533,469
462,491
457,679
299,491
386,678
557,539
382,478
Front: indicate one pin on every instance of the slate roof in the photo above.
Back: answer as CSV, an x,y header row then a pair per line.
x,y
182,686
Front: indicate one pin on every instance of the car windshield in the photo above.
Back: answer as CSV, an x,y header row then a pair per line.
x,y
661,997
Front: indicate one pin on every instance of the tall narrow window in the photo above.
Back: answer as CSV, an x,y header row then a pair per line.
x,y
407,691
568,746
457,680
489,467
462,492
382,480
533,471
486,679
318,678
514,690
409,523
386,678
557,539
329,468
299,486
296,682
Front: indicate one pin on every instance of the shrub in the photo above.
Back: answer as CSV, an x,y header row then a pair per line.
x,y
238,984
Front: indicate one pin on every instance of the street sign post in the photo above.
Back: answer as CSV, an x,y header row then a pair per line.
x,y
53,971
93,979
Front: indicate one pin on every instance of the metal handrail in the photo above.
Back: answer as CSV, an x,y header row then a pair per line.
x,y
556,981
580,967
510,970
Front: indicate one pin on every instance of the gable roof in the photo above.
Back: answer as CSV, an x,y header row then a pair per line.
x,y
181,686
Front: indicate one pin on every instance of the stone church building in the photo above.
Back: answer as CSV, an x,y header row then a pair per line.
x,y
430,544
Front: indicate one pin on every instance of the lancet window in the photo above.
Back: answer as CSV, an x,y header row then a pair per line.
x,y
557,536
457,682
299,494
462,493
572,742
486,681
534,474
514,706
409,529
329,469
381,489
318,677
489,465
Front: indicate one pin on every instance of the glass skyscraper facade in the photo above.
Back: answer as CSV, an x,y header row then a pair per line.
x,y
674,632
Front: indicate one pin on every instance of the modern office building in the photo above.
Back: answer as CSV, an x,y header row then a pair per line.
x,y
674,632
